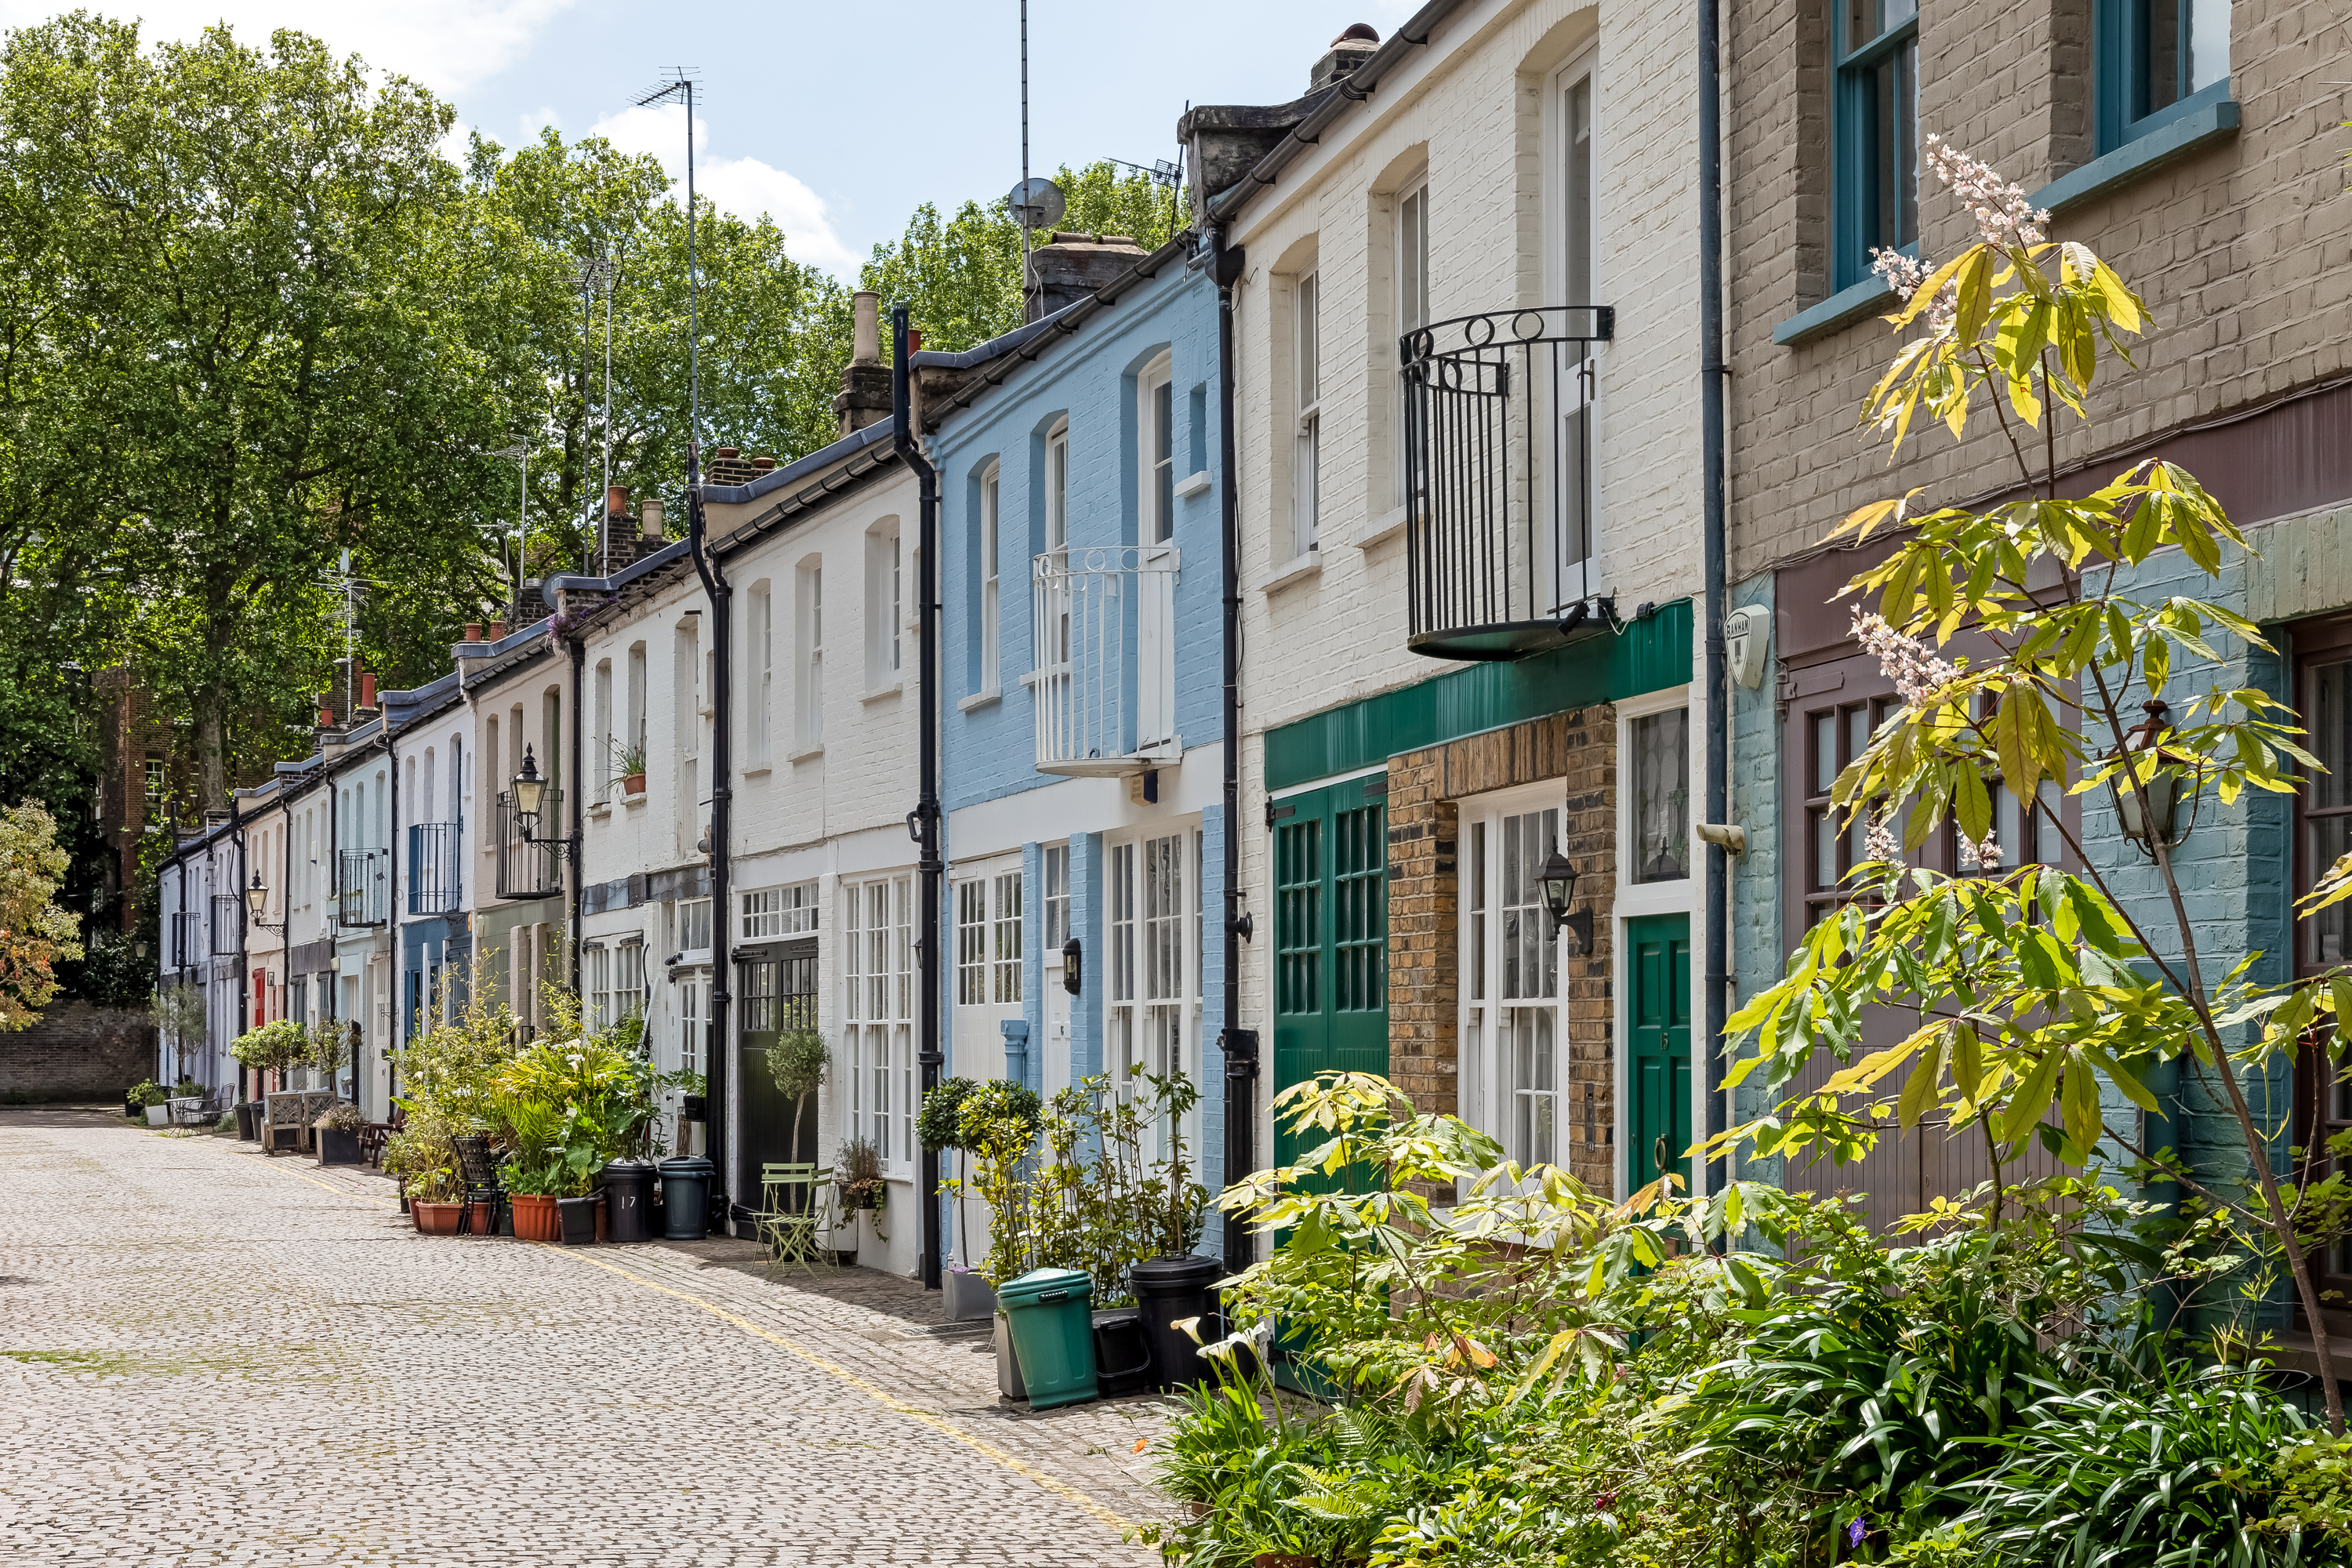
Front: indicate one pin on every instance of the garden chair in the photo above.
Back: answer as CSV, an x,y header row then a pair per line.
x,y
786,1222
478,1181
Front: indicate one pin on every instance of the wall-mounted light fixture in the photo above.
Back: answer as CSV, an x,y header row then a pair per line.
x,y
1558,882
1073,966
2160,823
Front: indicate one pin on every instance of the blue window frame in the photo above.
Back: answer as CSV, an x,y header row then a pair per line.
x,y
2157,61
1875,131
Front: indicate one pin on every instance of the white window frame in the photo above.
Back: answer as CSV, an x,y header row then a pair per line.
x,y
1307,401
878,1026
1572,188
1150,986
1490,1087
1672,896
1412,276
808,731
991,542
628,978
693,927
763,627
596,981
768,912
883,571
606,770
1156,473
1058,487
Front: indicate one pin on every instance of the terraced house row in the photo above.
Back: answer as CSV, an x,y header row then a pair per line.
x,y
1385,628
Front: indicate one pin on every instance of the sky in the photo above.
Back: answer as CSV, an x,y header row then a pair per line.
x,y
836,120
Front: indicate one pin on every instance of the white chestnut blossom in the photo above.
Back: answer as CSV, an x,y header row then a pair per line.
x,y
1917,674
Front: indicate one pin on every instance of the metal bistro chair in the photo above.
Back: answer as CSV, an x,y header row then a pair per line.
x,y
373,1134
786,1222
478,1177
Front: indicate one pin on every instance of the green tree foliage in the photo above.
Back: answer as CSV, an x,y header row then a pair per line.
x,y
35,933
961,276
2030,994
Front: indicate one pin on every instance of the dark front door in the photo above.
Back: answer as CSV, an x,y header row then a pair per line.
x,y
779,994
1657,951
1331,933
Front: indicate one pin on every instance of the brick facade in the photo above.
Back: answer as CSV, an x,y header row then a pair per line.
x,y
77,1051
2239,249
1425,788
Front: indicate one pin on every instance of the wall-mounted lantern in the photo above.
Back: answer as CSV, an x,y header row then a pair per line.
x,y
1073,966
1558,880
2160,823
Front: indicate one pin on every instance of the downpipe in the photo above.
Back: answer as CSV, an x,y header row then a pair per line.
x,y
929,865
1713,378
1238,1045
720,593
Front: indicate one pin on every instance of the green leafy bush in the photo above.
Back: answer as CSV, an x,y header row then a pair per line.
x,y
147,1091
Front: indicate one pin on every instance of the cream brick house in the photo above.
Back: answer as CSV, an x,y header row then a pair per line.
x,y
1469,577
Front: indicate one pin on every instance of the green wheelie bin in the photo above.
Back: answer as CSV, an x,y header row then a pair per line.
x,y
1051,1314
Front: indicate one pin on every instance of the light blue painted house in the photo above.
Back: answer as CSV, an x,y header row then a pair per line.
x,y
1081,646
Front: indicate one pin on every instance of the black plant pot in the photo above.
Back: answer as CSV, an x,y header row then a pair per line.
x,y
133,1110
249,1118
337,1147
579,1220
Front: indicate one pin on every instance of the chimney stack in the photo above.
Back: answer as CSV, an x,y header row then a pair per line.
x,y
1348,51
650,514
865,396
1075,266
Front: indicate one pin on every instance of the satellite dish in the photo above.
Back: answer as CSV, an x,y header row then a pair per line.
x,y
1037,204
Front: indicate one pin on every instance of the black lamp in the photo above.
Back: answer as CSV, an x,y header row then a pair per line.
x,y
1073,966
2160,824
530,790
1558,880
257,897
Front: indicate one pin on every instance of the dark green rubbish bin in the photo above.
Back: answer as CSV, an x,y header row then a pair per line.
x,y
1051,1316
685,1198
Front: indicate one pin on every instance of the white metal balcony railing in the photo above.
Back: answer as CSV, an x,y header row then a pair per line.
x,y
1104,641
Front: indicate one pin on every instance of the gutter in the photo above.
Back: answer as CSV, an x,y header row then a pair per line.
x,y
722,637
925,818
1354,88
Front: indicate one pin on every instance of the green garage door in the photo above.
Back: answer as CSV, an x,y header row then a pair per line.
x,y
1657,950
1331,932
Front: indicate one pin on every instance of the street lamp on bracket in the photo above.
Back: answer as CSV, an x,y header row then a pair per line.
x,y
256,904
530,795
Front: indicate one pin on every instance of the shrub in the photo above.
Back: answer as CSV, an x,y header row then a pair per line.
x,y
147,1091
342,1117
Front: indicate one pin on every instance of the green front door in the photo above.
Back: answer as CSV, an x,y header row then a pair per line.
x,y
1657,951
1331,933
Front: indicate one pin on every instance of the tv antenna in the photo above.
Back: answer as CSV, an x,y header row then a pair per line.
x,y
596,277
680,87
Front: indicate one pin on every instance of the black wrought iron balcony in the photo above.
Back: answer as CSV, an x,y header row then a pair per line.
x,y
436,875
1498,480
530,856
362,887
228,923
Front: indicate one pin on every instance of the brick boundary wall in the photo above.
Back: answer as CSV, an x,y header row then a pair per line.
x,y
77,1050
1580,749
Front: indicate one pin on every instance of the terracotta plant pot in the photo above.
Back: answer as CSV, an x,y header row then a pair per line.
x,y
632,783
436,1220
484,1221
536,1218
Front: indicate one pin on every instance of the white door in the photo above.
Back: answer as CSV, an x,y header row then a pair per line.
x,y
1054,1060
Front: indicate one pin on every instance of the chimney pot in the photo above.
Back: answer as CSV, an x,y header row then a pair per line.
x,y
616,500
650,515
866,318
727,452
497,631
367,690
473,631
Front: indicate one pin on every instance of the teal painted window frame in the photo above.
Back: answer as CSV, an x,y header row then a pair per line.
x,y
1853,141
2118,90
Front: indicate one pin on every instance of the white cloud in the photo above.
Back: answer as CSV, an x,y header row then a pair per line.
x,y
447,45
747,188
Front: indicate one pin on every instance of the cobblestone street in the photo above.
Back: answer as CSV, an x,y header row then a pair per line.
x,y
208,1356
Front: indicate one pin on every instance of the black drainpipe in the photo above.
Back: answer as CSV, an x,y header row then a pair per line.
x,y
1238,1044
243,917
1713,376
928,868
395,970
579,784
715,585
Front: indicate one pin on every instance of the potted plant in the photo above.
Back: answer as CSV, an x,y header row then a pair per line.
x,y
339,1135
797,1064
147,1097
858,1176
571,1103
629,762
